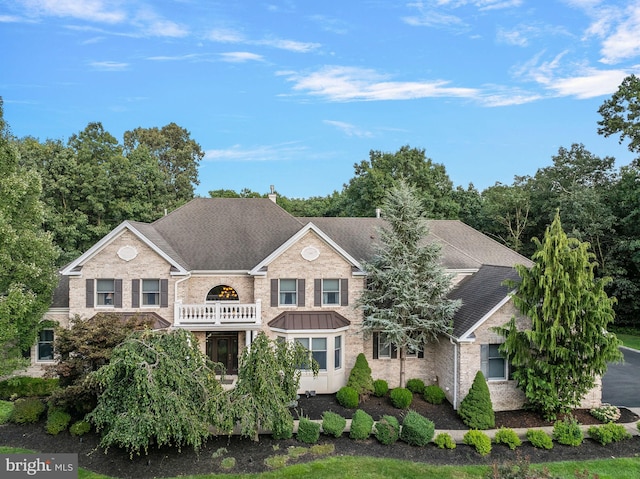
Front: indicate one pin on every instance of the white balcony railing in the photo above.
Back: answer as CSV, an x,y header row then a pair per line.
x,y
217,314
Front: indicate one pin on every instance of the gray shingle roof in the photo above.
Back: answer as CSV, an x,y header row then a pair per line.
x,y
480,293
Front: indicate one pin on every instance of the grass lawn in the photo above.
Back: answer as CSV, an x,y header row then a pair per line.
x,y
372,468
629,340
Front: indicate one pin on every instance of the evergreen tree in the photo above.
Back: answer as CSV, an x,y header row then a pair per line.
x,y
407,286
568,346
476,409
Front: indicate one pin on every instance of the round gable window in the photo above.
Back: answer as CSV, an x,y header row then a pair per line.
x,y
310,253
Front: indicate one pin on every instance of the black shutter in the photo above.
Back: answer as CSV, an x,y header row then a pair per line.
x,y
394,351
344,292
274,293
317,292
375,345
301,302
135,293
117,297
164,293
89,293
421,352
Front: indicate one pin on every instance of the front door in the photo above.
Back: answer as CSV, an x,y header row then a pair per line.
x,y
223,348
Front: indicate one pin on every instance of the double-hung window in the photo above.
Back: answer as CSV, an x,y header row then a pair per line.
x,y
150,292
494,365
384,347
105,292
45,345
337,352
330,291
317,348
288,292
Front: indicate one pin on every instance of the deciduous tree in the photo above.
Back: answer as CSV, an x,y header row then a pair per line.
x,y
558,358
406,291
621,113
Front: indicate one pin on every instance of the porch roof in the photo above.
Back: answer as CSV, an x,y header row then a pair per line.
x,y
158,321
308,320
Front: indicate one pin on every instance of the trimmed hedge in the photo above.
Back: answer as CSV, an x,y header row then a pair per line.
x,y
568,432
348,397
57,421
608,433
361,425
416,386
333,424
80,428
401,398
434,394
476,410
380,387
25,386
6,410
416,430
27,410
508,437
387,430
539,439
308,431
444,441
479,440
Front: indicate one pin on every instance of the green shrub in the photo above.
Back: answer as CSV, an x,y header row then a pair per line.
x,y
401,398
24,386
361,425
416,430
444,441
606,413
416,386
347,397
308,431
479,440
80,428
567,431
539,439
380,387
476,410
434,394
57,421
6,410
387,430
360,377
333,424
27,410
507,436
283,427
608,433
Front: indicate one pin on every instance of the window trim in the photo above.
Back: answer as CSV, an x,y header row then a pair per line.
x,y
111,292
337,292
144,293
41,342
485,360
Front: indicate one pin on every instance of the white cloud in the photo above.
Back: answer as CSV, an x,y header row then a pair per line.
x,y
338,83
349,129
290,45
92,10
518,37
226,35
239,153
109,66
433,13
9,19
591,83
624,43
174,58
240,57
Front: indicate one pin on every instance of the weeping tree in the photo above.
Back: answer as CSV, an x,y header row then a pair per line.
x,y
158,389
268,380
407,286
557,360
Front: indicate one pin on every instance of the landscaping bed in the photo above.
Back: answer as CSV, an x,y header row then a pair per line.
x,y
250,456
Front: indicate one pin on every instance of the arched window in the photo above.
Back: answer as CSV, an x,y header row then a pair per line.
x,y
222,292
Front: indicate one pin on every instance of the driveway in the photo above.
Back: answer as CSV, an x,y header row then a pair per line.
x,y
621,382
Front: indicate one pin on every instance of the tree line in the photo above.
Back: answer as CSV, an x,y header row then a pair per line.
x,y
58,198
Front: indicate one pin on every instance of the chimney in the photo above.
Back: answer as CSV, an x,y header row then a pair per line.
x,y
378,211
272,196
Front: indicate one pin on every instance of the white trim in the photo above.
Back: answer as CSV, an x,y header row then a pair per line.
x,y
465,336
310,331
294,239
106,240
219,272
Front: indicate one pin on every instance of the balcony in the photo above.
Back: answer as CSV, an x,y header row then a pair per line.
x,y
218,316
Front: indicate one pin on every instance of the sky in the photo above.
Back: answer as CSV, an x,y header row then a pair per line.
x,y
293,93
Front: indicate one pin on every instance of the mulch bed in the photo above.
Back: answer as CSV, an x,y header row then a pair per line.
x,y
250,456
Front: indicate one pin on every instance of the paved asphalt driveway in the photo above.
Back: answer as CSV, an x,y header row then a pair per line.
x,y
621,382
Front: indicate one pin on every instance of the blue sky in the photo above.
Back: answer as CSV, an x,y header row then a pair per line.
x,y
293,93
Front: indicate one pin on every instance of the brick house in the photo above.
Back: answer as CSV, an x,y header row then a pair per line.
x,y
228,268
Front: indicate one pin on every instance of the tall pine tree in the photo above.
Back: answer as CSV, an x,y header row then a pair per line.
x,y
558,360
406,294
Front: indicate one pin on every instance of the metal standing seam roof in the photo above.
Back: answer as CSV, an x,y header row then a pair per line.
x,y
308,320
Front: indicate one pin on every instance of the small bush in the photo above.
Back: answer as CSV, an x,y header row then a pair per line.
x,y
479,440
24,386
348,397
283,427
416,430
80,428
508,437
308,431
387,430
57,421
380,387
539,439
608,433
444,441
434,394
6,410
228,463
520,469
333,424
567,431
416,386
401,398
361,425
606,413
476,410
360,378
27,410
